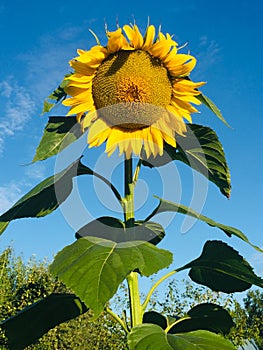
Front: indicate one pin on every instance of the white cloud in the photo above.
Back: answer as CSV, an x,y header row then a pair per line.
x,y
209,54
9,194
16,109
47,64
35,172
257,262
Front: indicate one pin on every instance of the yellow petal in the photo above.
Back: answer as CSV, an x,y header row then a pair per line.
x,y
178,69
149,37
116,41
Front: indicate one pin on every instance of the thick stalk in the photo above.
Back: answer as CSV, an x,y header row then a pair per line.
x,y
132,279
129,193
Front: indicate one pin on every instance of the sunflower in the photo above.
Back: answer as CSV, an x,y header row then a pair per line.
x,y
134,93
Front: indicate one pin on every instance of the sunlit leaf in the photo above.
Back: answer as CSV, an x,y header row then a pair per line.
x,y
201,149
44,198
153,337
56,96
59,133
105,264
166,206
221,268
31,323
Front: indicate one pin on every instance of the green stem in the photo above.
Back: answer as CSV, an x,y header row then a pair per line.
x,y
118,319
137,171
148,297
135,302
129,193
132,278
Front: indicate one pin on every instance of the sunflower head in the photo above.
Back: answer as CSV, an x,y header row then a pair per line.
x,y
134,93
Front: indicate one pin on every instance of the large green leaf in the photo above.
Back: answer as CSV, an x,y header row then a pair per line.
x,y
201,149
94,268
221,268
59,133
46,196
35,320
153,337
114,229
206,316
166,206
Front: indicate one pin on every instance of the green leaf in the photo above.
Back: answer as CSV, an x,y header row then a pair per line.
x,y
201,149
155,318
57,95
221,268
165,206
35,320
153,337
46,196
206,316
199,340
59,133
208,103
94,268
113,229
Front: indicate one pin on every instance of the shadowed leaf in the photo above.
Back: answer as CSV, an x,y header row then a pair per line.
x,y
114,229
155,318
44,198
206,316
166,206
221,268
55,97
31,323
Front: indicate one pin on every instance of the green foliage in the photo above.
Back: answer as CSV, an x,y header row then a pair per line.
x,y
108,251
201,149
210,104
105,264
34,321
23,284
114,229
206,316
59,133
56,96
46,196
166,206
179,297
221,268
153,337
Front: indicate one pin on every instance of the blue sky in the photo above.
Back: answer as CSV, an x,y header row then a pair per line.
x,y
39,38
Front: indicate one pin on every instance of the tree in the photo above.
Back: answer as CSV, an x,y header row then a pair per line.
x,y
22,284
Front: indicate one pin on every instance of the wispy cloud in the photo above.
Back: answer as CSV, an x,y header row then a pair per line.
x,y
257,261
35,172
209,53
16,109
47,63
9,194
11,191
